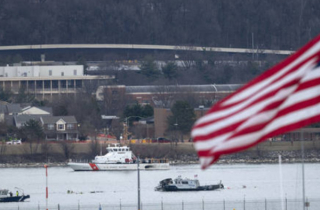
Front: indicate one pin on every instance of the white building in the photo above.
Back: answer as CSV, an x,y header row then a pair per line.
x,y
46,82
41,71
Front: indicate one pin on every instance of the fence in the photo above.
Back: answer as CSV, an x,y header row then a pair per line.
x,y
276,204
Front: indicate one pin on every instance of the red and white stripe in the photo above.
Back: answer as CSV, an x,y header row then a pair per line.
x,y
284,98
94,167
47,193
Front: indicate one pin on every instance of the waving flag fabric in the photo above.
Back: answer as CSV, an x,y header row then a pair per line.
x,y
282,99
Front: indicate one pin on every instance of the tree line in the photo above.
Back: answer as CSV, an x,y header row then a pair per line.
x,y
275,24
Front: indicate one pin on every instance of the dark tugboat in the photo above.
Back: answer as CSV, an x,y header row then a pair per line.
x,y
186,184
7,196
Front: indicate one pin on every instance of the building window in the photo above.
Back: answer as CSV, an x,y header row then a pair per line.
x,y
70,126
75,72
50,126
50,72
62,74
60,127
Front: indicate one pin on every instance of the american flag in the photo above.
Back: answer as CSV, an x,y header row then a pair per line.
x,y
283,98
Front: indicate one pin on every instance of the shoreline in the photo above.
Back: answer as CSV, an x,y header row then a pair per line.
x,y
174,158
174,163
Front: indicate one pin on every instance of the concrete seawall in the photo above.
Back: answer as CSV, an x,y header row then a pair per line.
x,y
185,147
182,153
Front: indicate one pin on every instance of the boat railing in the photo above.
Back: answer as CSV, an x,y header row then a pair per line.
x,y
80,160
154,160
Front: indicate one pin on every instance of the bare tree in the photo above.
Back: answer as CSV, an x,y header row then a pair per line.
x,y
116,128
114,100
3,147
67,148
46,148
33,133
90,88
94,148
188,94
164,95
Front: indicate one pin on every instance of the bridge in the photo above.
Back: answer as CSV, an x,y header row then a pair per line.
x,y
143,47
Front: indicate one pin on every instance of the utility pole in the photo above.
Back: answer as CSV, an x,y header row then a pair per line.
x,y
302,164
138,183
252,37
201,107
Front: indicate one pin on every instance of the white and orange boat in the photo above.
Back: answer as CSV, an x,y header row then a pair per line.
x,y
120,158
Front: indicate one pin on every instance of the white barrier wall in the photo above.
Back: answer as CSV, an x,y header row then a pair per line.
x,y
41,71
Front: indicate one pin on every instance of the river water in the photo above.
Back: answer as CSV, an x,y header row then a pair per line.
x,y
241,181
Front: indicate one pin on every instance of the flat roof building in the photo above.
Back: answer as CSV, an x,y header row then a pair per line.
x,y
47,82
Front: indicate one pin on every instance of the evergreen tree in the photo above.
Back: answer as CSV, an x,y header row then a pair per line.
x,y
5,95
170,70
182,118
82,61
147,111
32,133
24,97
149,68
139,111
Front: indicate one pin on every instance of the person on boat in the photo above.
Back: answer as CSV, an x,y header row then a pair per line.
x,y
17,193
10,194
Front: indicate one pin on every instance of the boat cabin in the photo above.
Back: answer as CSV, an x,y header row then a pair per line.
x,y
186,182
4,193
117,148
116,154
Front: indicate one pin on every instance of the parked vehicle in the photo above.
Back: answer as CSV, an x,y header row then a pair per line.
x,y
14,142
161,140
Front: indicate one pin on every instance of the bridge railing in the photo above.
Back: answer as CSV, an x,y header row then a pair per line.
x,y
263,204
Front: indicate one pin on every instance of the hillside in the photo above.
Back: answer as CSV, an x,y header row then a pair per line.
x,y
259,24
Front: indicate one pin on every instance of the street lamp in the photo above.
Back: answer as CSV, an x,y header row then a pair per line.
x,y
99,141
176,126
127,124
201,107
100,148
79,125
147,131
19,190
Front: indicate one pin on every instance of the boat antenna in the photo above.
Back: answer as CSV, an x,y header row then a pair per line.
x,y
19,189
